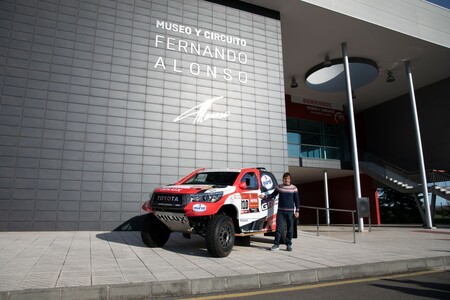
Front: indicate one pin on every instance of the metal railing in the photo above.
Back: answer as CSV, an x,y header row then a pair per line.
x,y
388,170
383,168
333,209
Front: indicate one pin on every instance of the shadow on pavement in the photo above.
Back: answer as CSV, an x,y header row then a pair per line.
x,y
133,224
117,237
176,243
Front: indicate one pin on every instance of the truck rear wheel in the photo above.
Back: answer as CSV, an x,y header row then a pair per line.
x,y
154,233
220,236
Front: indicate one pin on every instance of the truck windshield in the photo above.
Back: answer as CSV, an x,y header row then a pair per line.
x,y
214,178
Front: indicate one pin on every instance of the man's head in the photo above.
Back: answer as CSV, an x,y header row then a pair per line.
x,y
287,178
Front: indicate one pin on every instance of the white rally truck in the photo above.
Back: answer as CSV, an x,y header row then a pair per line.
x,y
218,204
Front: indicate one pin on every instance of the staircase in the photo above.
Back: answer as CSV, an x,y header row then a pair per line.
x,y
402,180
441,191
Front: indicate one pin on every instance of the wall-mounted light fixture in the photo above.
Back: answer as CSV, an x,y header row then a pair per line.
x,y
294,83
327,62
390,77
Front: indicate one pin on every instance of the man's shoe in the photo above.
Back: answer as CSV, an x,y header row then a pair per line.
x,y
275,247
289,248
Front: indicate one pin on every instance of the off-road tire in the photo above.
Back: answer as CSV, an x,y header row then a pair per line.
x,y
220,236
154,233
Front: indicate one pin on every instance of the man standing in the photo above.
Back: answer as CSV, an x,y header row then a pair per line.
x,y
288,207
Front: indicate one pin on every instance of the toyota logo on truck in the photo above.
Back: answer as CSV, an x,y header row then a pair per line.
x,y
165,198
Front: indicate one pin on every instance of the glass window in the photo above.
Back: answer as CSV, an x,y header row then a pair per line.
x,y
293,144
311,151
293,150
215,178
329,140
293,138
292,123
311,139
310,126
314,139
250,180
331,153
334,129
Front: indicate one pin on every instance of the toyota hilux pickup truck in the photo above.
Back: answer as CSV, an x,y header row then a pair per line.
x,y
218,204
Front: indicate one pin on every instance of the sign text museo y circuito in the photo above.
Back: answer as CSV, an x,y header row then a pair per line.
x,y
201,49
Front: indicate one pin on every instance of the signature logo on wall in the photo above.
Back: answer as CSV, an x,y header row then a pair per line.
x,y
202,113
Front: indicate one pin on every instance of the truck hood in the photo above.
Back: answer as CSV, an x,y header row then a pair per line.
x,y
194,188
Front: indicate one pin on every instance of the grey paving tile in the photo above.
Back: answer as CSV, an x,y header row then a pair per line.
x,y
196,274
139,278
106,273
10,282
117,279
168,276
140,270
36,284
77,280
83,259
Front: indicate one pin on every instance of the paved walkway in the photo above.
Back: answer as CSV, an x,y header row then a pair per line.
x,y
117,265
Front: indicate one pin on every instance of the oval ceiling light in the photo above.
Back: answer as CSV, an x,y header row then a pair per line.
x,y
332,78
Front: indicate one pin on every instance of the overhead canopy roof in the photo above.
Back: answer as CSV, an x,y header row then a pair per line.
x,y
392,33
386,32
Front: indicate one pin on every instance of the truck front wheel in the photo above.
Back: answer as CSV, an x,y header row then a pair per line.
x,y
220,236
154,233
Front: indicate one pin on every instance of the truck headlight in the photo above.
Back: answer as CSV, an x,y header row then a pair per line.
x,y
206,197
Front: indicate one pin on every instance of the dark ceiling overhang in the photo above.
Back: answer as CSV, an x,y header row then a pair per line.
x,y
310,32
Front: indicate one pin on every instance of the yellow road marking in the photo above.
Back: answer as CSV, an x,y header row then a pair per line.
x,y
313,286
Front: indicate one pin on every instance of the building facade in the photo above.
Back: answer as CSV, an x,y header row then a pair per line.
x,y
104,100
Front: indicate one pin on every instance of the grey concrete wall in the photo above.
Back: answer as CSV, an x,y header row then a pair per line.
x,y
91,98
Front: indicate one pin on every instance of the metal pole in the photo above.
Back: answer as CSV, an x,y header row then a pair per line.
x,y
426,202
419,207
327,202
352,132
353,224
317,218
433,207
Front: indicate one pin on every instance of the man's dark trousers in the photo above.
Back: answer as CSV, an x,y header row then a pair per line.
x,y
282,218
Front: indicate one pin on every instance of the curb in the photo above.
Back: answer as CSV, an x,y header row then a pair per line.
x,y
228,284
